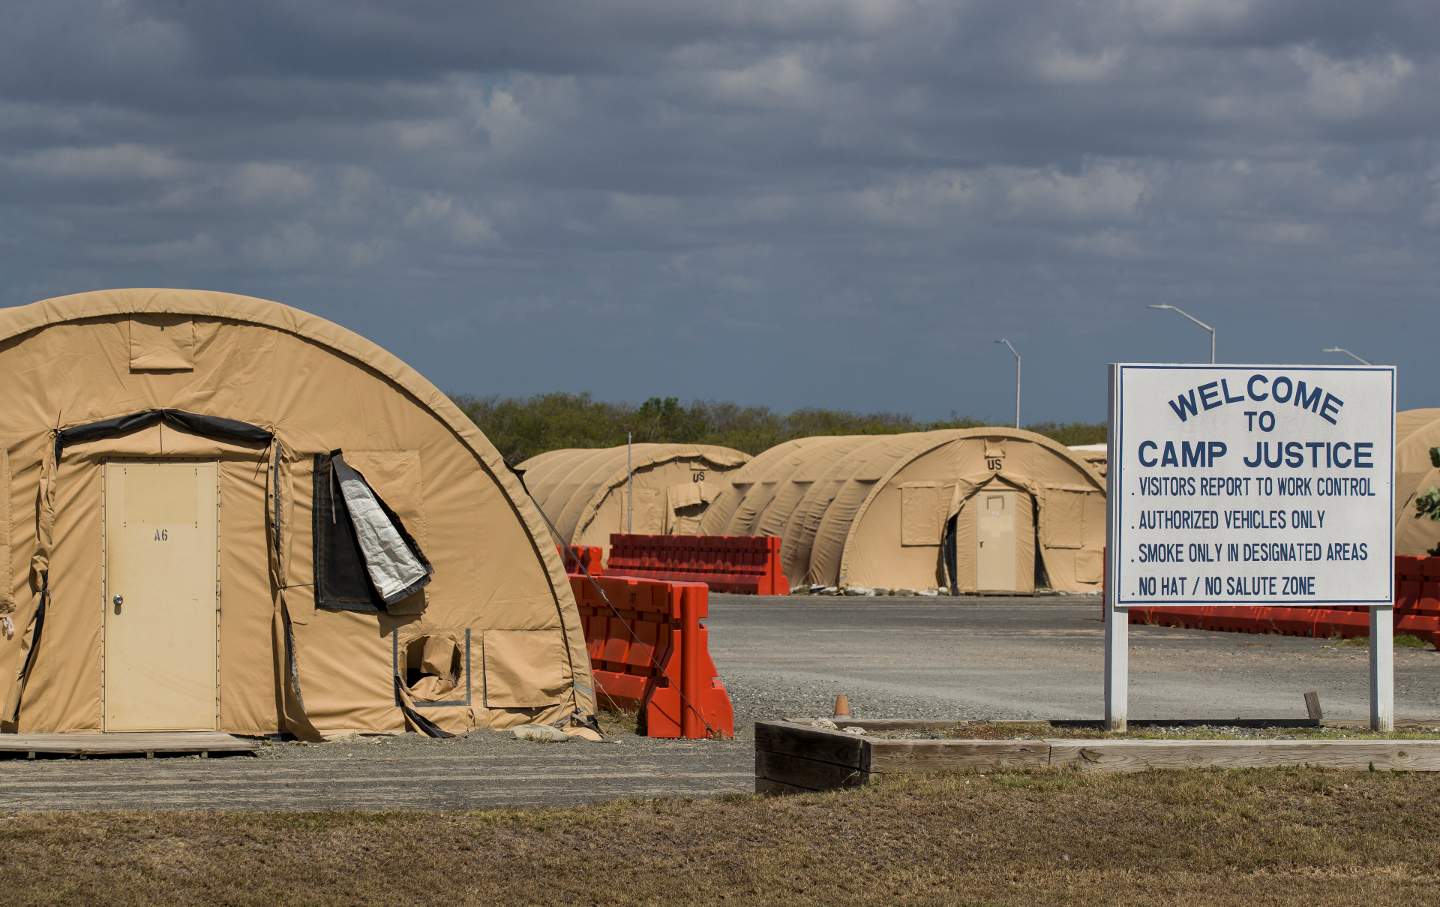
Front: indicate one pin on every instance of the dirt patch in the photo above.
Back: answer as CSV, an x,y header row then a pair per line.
x,y
1399,641
1212,837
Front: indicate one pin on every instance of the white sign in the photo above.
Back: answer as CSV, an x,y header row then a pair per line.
x,y
1249,485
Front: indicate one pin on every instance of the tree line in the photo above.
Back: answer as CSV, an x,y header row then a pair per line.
x,y
523,427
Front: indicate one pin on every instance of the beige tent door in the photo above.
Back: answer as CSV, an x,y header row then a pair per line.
x,y
995,540
161,596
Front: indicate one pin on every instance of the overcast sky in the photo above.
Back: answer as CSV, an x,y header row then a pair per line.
x,y
786,203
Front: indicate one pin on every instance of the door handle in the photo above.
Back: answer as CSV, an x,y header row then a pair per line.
x,y
118,600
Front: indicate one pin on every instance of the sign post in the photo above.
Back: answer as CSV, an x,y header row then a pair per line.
x,y
1238,485
1382,668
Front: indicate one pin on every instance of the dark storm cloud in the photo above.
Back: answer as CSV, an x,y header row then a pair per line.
x,y
790,203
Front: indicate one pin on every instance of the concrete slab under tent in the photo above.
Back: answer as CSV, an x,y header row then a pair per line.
x,y
222,514
966,510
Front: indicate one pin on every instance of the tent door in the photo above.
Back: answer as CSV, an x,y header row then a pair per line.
x,y
995,541
161,595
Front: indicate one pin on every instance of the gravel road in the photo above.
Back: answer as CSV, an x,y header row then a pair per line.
x,y
780,657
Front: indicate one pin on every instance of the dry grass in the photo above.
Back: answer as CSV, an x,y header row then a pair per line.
x,y
1242,837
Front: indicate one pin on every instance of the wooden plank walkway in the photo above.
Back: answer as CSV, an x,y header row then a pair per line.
x,y
486,770
147,744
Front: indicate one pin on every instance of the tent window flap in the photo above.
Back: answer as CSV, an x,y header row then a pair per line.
x,y
1062,520
922,513
365,559
162,343
523,668
216,427
434,668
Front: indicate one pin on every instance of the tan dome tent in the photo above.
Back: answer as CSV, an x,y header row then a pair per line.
x,y
583,491
1096,456
1416,431
961,510
225,514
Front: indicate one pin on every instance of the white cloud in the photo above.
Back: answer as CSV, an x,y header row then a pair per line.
x,y
269,184
287,246
914,199
784,80
1064,66
1346,89
1106,244
1285,233
468,229
645,209
1185,17
1098,192
110,162
527,110
442,215
197,249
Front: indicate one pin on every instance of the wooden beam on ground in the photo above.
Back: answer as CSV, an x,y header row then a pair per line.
x,y
1146,755
791,756
930,756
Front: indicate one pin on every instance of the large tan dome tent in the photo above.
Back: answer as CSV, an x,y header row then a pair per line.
x,y
584,491
964,510
226,514
1416,431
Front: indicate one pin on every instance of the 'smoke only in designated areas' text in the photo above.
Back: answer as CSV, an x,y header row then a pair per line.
x,y
1248,485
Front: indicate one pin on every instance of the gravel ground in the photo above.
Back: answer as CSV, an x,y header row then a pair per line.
x,y
780,657
1027,658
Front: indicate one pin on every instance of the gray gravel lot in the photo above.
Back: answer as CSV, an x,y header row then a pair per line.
x,y
1028,658
780,657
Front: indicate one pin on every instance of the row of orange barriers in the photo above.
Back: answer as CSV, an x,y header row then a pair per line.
x,y
1417,611
650,652
742,564
582,558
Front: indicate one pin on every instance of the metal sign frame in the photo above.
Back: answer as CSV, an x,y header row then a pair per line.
x,y
1117,618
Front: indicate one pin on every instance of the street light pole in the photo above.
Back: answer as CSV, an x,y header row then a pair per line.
x,y
1185,314
1341,349
1017,378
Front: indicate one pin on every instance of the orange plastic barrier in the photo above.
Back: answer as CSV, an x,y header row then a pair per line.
x,y
576,555
650,651
1417,611
744,564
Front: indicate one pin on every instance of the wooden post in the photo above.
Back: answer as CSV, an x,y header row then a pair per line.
x,y
1382,668
1117,665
